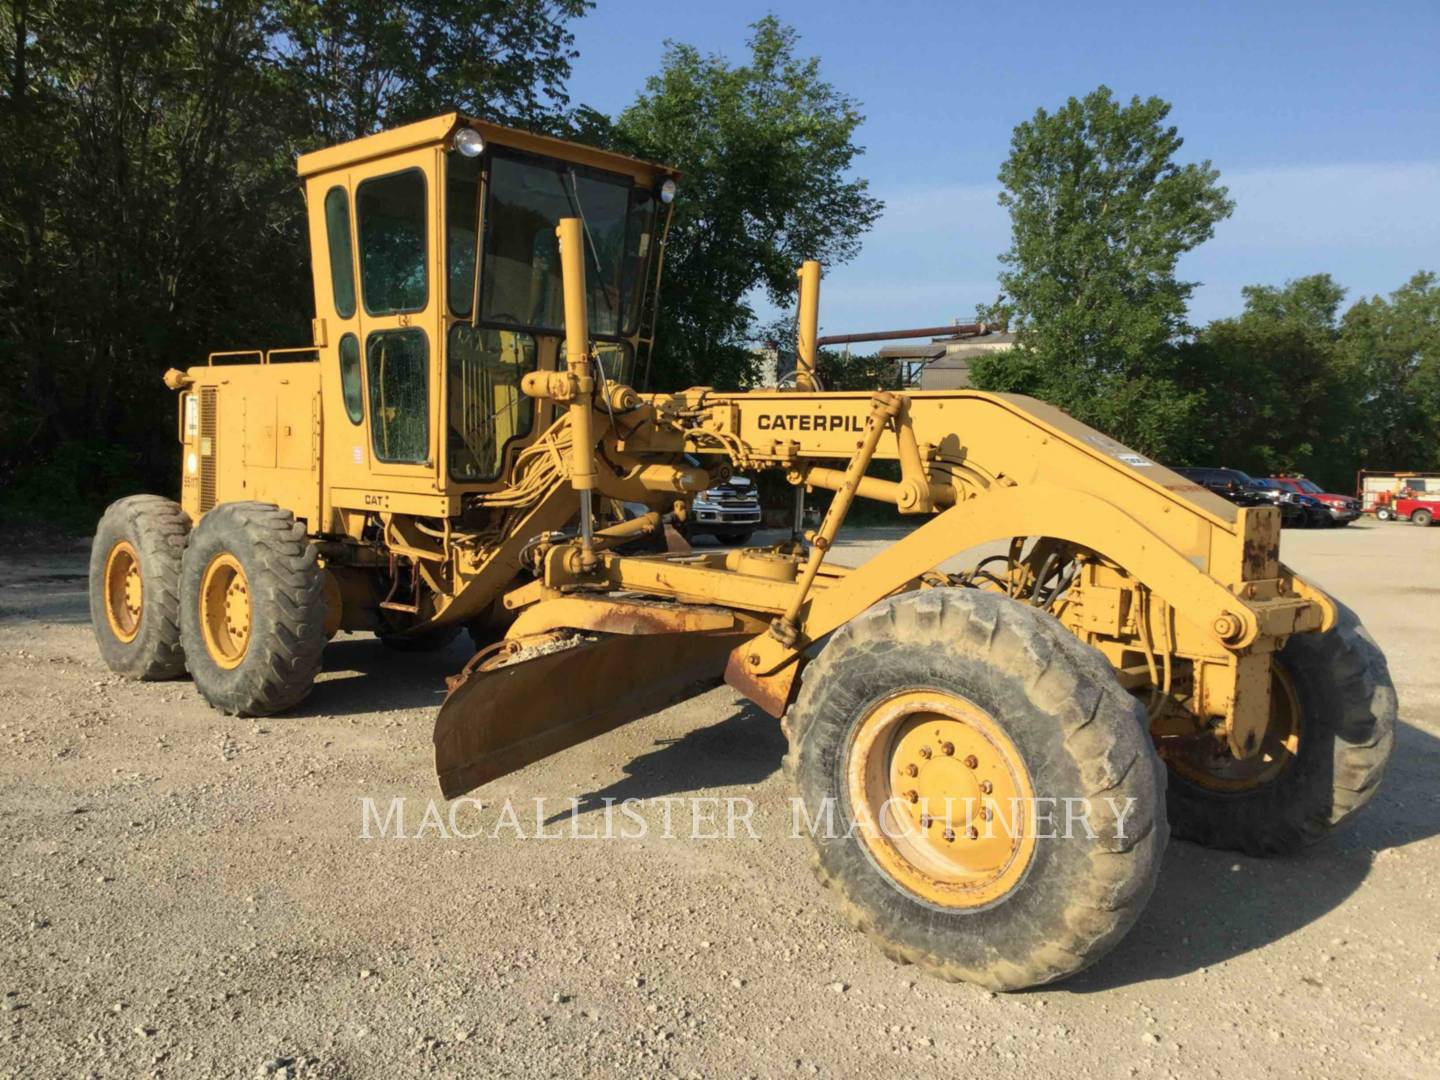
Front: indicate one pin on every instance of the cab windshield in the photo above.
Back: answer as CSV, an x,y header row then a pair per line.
x,y
525,198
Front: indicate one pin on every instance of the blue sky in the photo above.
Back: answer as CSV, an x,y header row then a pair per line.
x,y
1323,119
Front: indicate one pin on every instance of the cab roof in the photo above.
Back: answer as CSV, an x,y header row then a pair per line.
x,y
438,130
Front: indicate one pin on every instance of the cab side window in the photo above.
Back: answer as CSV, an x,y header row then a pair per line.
x,y
462,178
350,378
390,214
342,263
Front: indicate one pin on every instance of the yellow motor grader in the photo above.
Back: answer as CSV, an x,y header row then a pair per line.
x,y
991,758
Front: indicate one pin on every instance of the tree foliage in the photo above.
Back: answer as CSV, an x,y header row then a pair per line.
x,y
359,66
1100,213
145,218
1312,303
767,148
1392,348
149,208
1275,396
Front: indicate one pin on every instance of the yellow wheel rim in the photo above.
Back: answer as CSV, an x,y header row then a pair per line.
x,y
124,591
1209,764
941,798
225,610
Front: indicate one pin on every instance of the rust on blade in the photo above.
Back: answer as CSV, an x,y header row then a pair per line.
x,y
771,692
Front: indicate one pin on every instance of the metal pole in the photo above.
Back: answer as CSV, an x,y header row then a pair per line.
x,y
884,407
578,363
807,325
797,524
959,330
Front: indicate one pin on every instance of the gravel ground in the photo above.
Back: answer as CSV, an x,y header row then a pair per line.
x,y
187,894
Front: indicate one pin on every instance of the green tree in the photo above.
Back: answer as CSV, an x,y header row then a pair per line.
x,y
1100,214
1312,302
1275,392
149,208
357,66
767,149
1393,346
144,220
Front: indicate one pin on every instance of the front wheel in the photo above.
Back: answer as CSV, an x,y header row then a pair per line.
x,y
1332,726
982,793
252,614
1384,513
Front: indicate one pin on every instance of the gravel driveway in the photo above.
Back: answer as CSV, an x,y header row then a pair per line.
x,y
187,894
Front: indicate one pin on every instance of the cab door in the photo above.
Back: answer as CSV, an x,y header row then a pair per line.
x,y
395,252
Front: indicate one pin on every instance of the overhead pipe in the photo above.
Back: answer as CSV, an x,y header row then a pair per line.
x,y
958,330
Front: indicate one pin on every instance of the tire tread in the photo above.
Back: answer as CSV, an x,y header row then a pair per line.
x,y
279,667
158,529
1122,880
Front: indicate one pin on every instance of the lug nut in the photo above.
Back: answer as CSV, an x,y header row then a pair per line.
x,y
925,752
986,787
911,770
925,820
949,836
971,762
986,813
912,796
947,748
972,833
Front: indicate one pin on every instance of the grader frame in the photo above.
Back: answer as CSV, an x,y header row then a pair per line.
x,y
471,463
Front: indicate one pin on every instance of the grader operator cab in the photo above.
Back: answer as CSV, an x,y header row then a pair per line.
x,y
984,755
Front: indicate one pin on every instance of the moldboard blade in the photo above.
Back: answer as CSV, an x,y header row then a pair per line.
x,y
500,718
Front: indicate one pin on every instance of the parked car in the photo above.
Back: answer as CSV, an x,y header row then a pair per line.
x,y
1300,511
1417,511
1321,515
1343,508
730,512
1230,484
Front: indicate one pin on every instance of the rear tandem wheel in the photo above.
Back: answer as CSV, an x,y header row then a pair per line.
x,y
135,586
252,615
1332,727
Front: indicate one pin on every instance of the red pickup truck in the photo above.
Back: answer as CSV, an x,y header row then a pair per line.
x,y
1343,508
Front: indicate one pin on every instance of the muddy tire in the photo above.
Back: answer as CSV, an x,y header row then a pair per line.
x,y
1423,518
135,587
252,609
1341,685
1072,732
